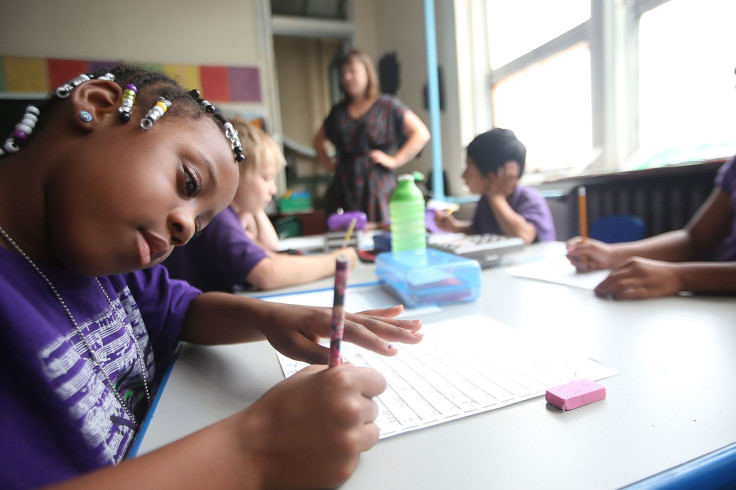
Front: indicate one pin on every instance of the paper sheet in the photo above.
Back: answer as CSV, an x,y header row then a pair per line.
x,y
463,367
558,270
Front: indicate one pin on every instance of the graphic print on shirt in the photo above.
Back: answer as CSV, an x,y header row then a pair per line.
x,y
106,428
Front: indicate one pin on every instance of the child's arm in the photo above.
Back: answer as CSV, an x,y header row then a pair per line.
x,y
706,229
639,278
282,270
306,432
222,318
511,223
266,236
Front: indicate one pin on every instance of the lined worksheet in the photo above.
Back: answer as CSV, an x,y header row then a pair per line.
x,y
464,366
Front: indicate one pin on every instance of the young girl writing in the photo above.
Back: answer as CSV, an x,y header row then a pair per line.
x,y
699,258
228,254
97,186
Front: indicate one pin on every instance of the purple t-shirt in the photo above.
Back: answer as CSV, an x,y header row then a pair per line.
x,y
527,202
58,417
220,258
726,181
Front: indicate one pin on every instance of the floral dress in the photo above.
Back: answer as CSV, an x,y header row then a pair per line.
x,y
359,184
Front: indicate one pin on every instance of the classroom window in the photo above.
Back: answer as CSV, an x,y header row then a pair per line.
x,y
540,75
548,106
687,101
512,32
595,86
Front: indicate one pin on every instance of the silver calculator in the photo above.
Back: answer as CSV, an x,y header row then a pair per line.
x,y
487,249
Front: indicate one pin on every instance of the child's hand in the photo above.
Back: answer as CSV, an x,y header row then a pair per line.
x,y
350,253
507,176
589,254
445,220
638,278
309,430
296,330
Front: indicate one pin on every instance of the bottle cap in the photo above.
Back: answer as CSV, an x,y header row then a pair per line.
x,y
404,177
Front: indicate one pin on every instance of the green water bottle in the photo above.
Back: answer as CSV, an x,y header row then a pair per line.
x,y
406,210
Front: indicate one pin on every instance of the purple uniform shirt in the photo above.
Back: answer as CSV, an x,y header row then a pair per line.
x,y
527,202
220,258
726,181
58,416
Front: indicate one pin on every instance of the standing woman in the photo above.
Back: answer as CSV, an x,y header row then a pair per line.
x,y
373,134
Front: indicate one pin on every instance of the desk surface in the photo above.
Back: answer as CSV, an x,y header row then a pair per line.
x,y
672,402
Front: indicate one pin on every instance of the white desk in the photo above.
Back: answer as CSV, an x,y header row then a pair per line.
x,y
673,401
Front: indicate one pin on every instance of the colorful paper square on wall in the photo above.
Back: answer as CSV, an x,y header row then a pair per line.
x,y
61,71
186,75
26,74
245,84
3,79
215,83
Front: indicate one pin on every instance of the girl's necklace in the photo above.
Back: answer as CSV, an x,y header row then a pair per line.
x,y
93,356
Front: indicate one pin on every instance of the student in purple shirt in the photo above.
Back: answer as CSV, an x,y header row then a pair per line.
x,y
97,185
699,258
495,163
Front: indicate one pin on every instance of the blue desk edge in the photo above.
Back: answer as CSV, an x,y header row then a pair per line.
x,y
713,470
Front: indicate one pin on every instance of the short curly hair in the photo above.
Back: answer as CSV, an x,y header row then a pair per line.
x,y
492,149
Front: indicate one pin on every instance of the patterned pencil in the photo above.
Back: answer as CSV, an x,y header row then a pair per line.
x,y
338,309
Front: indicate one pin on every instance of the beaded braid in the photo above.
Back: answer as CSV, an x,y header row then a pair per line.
x,y
139,86
230,131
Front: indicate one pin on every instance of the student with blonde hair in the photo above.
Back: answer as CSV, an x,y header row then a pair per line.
x,y
257,174
239,246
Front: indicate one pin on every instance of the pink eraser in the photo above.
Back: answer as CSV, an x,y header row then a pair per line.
x,y
575,394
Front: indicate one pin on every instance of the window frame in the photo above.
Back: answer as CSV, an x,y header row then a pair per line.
x,y
611,33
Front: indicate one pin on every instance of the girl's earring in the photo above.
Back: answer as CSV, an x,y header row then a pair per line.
x,y
85,116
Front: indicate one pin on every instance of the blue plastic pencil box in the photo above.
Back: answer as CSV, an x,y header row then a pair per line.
x,y
429,277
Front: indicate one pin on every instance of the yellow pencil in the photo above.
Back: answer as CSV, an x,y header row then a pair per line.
x,y
451,209
583,219
349,232
582,213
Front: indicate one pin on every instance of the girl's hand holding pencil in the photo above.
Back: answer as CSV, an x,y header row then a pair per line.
x,y
588,254
308,431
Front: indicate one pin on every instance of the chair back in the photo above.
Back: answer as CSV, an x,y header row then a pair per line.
x,y
618,228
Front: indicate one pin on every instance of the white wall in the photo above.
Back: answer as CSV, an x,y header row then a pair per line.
x,y
227,32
